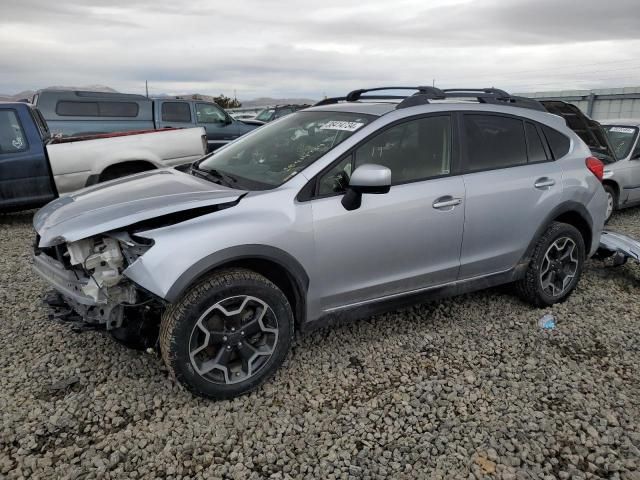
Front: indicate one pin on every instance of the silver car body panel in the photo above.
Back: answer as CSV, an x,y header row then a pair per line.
x,y
124,201
625,172
395,243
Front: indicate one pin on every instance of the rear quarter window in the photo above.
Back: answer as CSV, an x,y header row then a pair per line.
x,y
535,144
558,142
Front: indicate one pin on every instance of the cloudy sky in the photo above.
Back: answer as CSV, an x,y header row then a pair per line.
x,y
302,48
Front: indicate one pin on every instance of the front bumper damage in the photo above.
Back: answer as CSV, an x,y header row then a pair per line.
x,y
87,276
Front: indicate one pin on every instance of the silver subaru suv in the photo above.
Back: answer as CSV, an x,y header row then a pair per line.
x,y
357,205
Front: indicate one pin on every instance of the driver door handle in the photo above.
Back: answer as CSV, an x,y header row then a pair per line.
x,y
446,202
544,183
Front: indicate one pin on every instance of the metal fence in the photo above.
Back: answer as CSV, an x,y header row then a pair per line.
x,y
599,104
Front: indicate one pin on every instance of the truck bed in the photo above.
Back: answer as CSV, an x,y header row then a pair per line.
x,y
79,161
80,138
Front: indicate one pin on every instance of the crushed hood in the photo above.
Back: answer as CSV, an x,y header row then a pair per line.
x,y
122,202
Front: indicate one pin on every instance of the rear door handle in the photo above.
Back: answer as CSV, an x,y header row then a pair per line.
x,y
544,183
446,202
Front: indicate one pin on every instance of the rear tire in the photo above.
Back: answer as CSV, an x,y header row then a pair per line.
x,y
612,201
555,267
227,335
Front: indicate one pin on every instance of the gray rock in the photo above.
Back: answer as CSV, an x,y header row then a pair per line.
x,y
441,390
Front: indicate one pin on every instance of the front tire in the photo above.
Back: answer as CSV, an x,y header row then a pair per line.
x,y
227,335
555,267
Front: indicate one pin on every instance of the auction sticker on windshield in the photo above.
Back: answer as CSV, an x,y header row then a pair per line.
x,y
341,125
622,130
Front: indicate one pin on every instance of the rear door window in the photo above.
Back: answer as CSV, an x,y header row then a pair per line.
x,y
176,112
12,137
535,145
494,141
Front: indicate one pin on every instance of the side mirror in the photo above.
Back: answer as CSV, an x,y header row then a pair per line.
x,y
367,178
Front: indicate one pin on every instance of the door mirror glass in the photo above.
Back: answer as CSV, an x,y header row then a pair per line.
x,y
367,178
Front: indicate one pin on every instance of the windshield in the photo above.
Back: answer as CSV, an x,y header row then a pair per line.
x,y
272,154
265,115
621,139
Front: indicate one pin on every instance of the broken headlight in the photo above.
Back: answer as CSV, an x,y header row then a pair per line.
x,y
104,259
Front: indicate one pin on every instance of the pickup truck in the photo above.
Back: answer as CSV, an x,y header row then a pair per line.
x,y
36,168
71,113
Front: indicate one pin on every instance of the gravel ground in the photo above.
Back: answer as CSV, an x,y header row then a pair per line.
x,y
463,388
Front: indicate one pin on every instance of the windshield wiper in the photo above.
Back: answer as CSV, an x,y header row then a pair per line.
x,y
215,176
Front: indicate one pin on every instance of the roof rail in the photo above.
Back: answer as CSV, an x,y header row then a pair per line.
x,y
494,96
424,94
329,101
357,94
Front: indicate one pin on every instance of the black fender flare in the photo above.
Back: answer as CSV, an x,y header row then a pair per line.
x,y
566,207
233,254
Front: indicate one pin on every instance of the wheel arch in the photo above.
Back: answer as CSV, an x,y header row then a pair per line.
x,y
95,178
572,213
616,188
137,165
276,265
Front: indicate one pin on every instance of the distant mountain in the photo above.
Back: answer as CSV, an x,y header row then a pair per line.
x,y
29,93
257,102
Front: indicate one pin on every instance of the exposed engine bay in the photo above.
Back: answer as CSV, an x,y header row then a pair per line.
x,y
88,276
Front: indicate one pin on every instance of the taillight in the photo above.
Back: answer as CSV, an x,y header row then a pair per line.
x,y
595,166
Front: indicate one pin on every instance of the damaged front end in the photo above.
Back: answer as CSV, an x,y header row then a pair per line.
x,y
88,276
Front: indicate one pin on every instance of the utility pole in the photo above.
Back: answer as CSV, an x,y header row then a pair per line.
x,y
146,87
433,84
